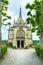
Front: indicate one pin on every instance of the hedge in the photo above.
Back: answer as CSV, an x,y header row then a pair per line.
x,y
4,49
37,49
9,44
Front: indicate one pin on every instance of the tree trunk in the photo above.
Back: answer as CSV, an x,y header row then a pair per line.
x,y
0,30
40,28
41,40
0,43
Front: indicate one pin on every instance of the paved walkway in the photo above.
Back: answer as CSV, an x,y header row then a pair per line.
x,y
21,57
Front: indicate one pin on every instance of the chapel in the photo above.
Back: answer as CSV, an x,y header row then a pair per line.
x,y
20,34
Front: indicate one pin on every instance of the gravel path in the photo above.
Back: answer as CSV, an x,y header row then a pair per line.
x,y
21,57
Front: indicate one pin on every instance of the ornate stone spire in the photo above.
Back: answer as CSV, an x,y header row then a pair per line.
x,y
20,12
14,22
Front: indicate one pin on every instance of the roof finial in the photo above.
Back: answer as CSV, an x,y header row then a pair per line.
x,y
20,12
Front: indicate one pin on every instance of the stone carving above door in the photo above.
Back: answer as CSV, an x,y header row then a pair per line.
x,y
20,33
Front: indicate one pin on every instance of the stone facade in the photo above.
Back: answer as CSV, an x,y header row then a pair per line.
x,y
20,34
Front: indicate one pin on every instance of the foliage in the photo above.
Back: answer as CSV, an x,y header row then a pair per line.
x,y
35,19
9,44
4,49
37,49
5,1
36,42
14,47
4,41
3,14
41,51
30,18
3,17
4,7
26,47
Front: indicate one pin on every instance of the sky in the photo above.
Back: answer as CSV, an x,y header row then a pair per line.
x,y
13,11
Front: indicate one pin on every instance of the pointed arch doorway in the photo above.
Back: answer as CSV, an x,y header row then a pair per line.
x,y
20,43
20,37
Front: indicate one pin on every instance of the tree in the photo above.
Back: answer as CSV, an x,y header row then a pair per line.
x,y
37,19
3,16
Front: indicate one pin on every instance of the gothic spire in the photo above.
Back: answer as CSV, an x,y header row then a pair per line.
x,y
20,12
14,22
